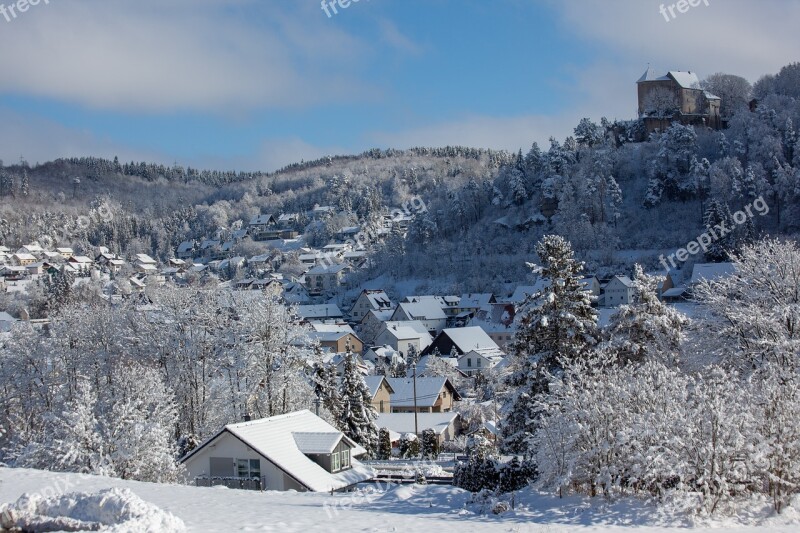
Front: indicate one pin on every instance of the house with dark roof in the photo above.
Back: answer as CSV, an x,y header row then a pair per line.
x,y
433,395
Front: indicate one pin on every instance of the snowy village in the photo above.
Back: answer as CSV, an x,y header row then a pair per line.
x,y
578,316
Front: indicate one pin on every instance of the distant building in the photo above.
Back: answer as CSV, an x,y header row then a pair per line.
x,y
676,97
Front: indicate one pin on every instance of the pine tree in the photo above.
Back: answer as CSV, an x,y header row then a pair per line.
x,y
24,184
716,217
357,416
558,325
326,388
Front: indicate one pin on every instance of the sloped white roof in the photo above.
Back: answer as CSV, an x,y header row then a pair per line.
x,y
319,311
523,291
318,442
422,310
404,422
711,271
476,300
276,439
625,280
328,269
379,299
687,80
144,258
261,220
407,329
472,338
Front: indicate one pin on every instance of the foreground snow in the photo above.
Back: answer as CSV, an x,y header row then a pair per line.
x,y
400,508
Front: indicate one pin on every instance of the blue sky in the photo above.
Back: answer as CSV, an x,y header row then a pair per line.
x,y
256,84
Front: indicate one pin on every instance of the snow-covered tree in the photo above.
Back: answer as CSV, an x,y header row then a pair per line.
x,y
647,329
357,416
558,325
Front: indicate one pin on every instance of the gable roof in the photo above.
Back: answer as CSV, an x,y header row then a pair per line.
x,y
472,338
711,271
275,439
262,220
310,312
428,389
406,329
316,443
374,384
422,310
686,80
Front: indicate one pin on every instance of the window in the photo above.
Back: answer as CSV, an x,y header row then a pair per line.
x,y
248,468
345,458
381,407
335,462
479,363
469,362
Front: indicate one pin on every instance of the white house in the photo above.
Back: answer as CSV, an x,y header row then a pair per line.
x,y
372,324
296,451
402,336
474,362
619,291
427,311
433,395
370,301
325,278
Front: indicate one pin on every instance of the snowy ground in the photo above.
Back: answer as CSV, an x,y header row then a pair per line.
x,y
401,508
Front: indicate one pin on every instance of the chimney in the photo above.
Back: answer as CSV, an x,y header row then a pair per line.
x,y
247,418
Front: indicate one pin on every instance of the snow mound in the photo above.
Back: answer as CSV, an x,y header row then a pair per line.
x,y
113,510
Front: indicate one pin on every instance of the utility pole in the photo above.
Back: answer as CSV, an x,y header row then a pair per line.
x,y
416,425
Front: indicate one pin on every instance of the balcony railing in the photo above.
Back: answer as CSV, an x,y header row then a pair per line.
x,y
230,482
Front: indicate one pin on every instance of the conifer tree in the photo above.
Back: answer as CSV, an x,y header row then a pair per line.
x,y
357,416
558,325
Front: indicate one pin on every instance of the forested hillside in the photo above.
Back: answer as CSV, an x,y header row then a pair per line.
x,y
615,196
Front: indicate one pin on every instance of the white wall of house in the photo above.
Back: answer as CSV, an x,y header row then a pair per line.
x,y
228,446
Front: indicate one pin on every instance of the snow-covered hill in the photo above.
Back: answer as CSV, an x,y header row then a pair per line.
x,y
400,508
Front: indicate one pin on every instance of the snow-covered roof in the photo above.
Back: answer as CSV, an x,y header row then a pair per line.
x,y
24,256
262,220
327,269
711,271
407,329
649,75
185,246
423,310
476,300
687,80
428,389
82,259
5,317
404,422
625,280
146,259
318,442
319,311
276,439
522,292
472,338
378,299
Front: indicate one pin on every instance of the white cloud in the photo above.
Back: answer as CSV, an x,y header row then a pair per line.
x,y
199,55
